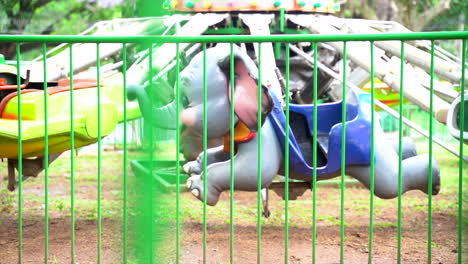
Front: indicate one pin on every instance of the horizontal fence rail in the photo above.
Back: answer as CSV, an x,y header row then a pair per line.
x,y
151,222
443,35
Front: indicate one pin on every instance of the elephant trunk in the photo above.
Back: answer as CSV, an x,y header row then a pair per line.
x,y
165,116
162,117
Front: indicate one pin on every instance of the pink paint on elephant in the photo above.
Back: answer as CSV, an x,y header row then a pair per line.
x,y
246,97
188,117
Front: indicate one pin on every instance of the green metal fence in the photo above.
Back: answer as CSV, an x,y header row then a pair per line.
x,y
146,240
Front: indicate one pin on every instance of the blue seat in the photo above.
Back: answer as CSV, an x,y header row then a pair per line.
x,y
329,127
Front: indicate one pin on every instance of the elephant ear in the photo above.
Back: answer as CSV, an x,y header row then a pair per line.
x,y
246,96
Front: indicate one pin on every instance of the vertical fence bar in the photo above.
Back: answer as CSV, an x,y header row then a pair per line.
x,y
72,159
149,189
20,158
460,169
286,162
343,155
259,156
372,155
177,95
231,156
99,168
125,156
205,146
400,149
46,157
429,181
314,161
282,20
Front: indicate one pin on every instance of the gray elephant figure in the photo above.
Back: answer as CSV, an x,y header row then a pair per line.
x,y
415,168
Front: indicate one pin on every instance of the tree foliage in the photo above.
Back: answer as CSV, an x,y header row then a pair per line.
x,y
452,19
56,17
417,15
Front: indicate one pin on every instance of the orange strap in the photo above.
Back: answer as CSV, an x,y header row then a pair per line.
x,y
5,86
242,134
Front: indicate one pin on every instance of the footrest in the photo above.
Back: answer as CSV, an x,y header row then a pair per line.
x,y
163,172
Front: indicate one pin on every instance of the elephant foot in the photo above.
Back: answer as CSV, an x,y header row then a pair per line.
x,y
12,185
192,167
435,180
195,185
422,161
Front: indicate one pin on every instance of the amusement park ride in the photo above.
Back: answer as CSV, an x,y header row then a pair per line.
x,y
222,17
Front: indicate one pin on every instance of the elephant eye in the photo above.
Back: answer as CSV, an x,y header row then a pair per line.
x,y
185,101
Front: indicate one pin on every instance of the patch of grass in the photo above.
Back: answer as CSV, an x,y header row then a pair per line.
x,y
434,244
217,227
385,225
421,244
330,220
7,200
445,205
59,205
86,208
59,188
3,164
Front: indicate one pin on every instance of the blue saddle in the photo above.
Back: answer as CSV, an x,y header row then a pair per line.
x,y
329,127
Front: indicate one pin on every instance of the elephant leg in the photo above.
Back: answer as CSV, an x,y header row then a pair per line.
x,y
415,172
11,175
31,168
415,169
245,168
213,155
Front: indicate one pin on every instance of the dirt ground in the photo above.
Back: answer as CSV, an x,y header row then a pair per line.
x,y
414,227
414,240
